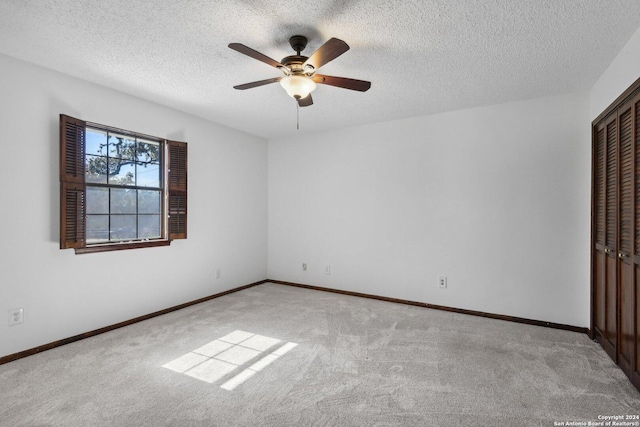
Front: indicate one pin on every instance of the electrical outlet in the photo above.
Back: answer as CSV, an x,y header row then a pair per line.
x,y
442,281
218,273
327,269
304,266
16,316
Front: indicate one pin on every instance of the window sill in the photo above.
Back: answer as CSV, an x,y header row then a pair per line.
x,y
121,246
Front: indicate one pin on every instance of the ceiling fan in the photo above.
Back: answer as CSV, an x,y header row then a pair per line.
x,y
300,76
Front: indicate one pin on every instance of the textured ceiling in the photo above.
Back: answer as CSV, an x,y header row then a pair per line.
x,y
422,57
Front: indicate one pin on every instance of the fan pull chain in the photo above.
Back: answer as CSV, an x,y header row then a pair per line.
x,y
297,116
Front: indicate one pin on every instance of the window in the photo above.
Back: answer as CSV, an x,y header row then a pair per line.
x,y
119,189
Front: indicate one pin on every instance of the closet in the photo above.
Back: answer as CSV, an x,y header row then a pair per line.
x,y
615,232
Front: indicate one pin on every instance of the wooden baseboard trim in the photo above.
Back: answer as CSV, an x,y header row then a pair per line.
x,y
441,307
39,349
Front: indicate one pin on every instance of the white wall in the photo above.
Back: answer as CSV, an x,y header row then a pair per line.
x,y
623,71
64,294
495,198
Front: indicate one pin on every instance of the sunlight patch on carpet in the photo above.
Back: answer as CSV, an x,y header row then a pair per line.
x,y
219,358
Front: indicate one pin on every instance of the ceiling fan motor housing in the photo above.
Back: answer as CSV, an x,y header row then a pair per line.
x,y
294,63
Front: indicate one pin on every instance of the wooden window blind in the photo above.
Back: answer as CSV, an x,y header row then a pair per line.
x,y
177,189
72,185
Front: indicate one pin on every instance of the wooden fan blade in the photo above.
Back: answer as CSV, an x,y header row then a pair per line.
x,y
327,52
305,102
258,83
255,54
343,82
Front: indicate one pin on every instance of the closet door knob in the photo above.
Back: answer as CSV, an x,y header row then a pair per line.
x,y
622,255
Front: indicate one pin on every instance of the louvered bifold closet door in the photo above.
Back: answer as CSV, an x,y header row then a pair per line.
x,y
177,189
610,332
615,231
598,233
627,231
72,182
631,326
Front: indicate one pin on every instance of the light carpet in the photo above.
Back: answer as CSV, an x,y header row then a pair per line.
x,y
275,355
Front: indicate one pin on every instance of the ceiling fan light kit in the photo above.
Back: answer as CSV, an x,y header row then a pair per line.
x,y
300,78
298,86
